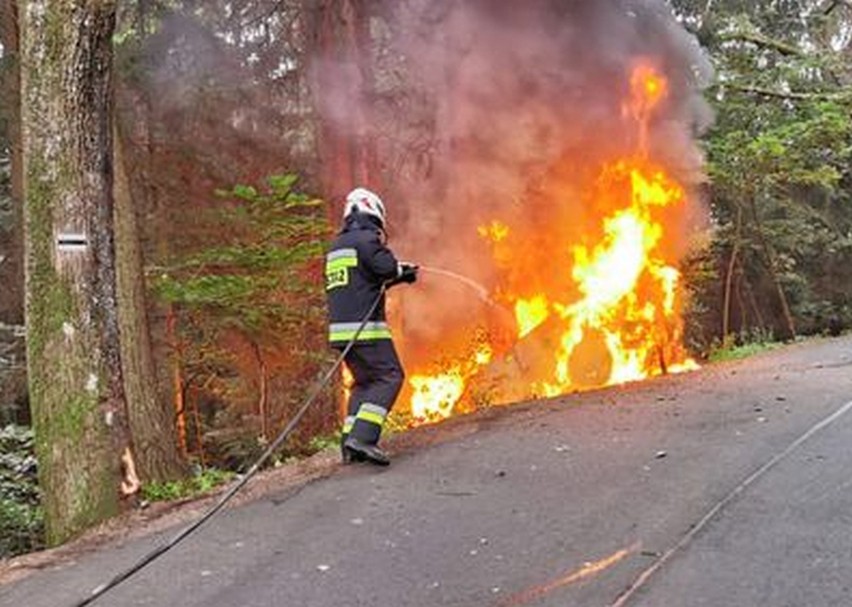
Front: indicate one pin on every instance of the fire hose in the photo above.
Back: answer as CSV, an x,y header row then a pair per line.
x,y
271,449
482,292
244,479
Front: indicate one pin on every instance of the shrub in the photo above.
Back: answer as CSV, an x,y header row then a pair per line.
x,y
21,517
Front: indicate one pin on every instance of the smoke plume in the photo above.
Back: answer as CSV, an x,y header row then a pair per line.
x,y
524,103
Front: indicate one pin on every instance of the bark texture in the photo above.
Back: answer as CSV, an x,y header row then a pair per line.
x,y
11,240
74,362
151,424
340,42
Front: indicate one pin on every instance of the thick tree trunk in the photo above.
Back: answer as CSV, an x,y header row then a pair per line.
x,y
154,229
151,423
12,242
341,82
74,359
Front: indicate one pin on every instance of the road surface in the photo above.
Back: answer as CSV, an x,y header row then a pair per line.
x,y
730,486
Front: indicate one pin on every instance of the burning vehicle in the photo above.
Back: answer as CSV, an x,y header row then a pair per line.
x,y
558,204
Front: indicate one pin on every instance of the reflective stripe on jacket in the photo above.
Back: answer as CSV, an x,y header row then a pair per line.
x,y
356,266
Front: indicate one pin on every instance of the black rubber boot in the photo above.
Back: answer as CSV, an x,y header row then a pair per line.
x,y
348,456
359,451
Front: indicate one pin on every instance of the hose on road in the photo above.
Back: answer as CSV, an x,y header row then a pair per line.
x,y
237,486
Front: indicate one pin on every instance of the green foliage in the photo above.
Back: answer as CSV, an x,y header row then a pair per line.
x,y
249,283
742,346
322,442
702,277
249,303
194,486
21,516
233,449
808,148
779,161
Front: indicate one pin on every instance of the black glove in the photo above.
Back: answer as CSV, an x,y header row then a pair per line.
x,y
408,272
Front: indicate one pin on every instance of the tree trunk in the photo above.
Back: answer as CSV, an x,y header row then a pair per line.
x,y
74,359
135,123
342,78
12,265
263,397
178,385
729,277
753,302
738,290
773,274
151,424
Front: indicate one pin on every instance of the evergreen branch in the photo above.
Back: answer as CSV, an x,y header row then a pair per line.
x,y
763,41
837,3
842,95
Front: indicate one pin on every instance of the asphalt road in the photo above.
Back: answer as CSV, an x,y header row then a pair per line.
x,y
727,487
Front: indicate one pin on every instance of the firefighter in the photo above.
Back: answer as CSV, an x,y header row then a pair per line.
x,y
358,266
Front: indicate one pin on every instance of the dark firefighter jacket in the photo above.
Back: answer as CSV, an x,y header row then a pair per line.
x,y
356,266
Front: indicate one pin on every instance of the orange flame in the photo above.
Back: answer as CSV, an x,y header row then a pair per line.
x,y
605,309
496,231
625,284
435,396
647,88
347,381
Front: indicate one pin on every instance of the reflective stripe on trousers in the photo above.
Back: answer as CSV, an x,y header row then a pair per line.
x,y
377,379
372,414
368,423
370,417
345,331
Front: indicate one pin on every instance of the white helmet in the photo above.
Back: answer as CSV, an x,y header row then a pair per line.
x,y
366,202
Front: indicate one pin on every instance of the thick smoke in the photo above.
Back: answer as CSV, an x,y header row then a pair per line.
x,y
526,102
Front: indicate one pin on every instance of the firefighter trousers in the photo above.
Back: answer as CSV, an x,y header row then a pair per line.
x,y
377,379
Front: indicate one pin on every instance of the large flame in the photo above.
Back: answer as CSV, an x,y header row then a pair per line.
x,y
608,304
629,291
